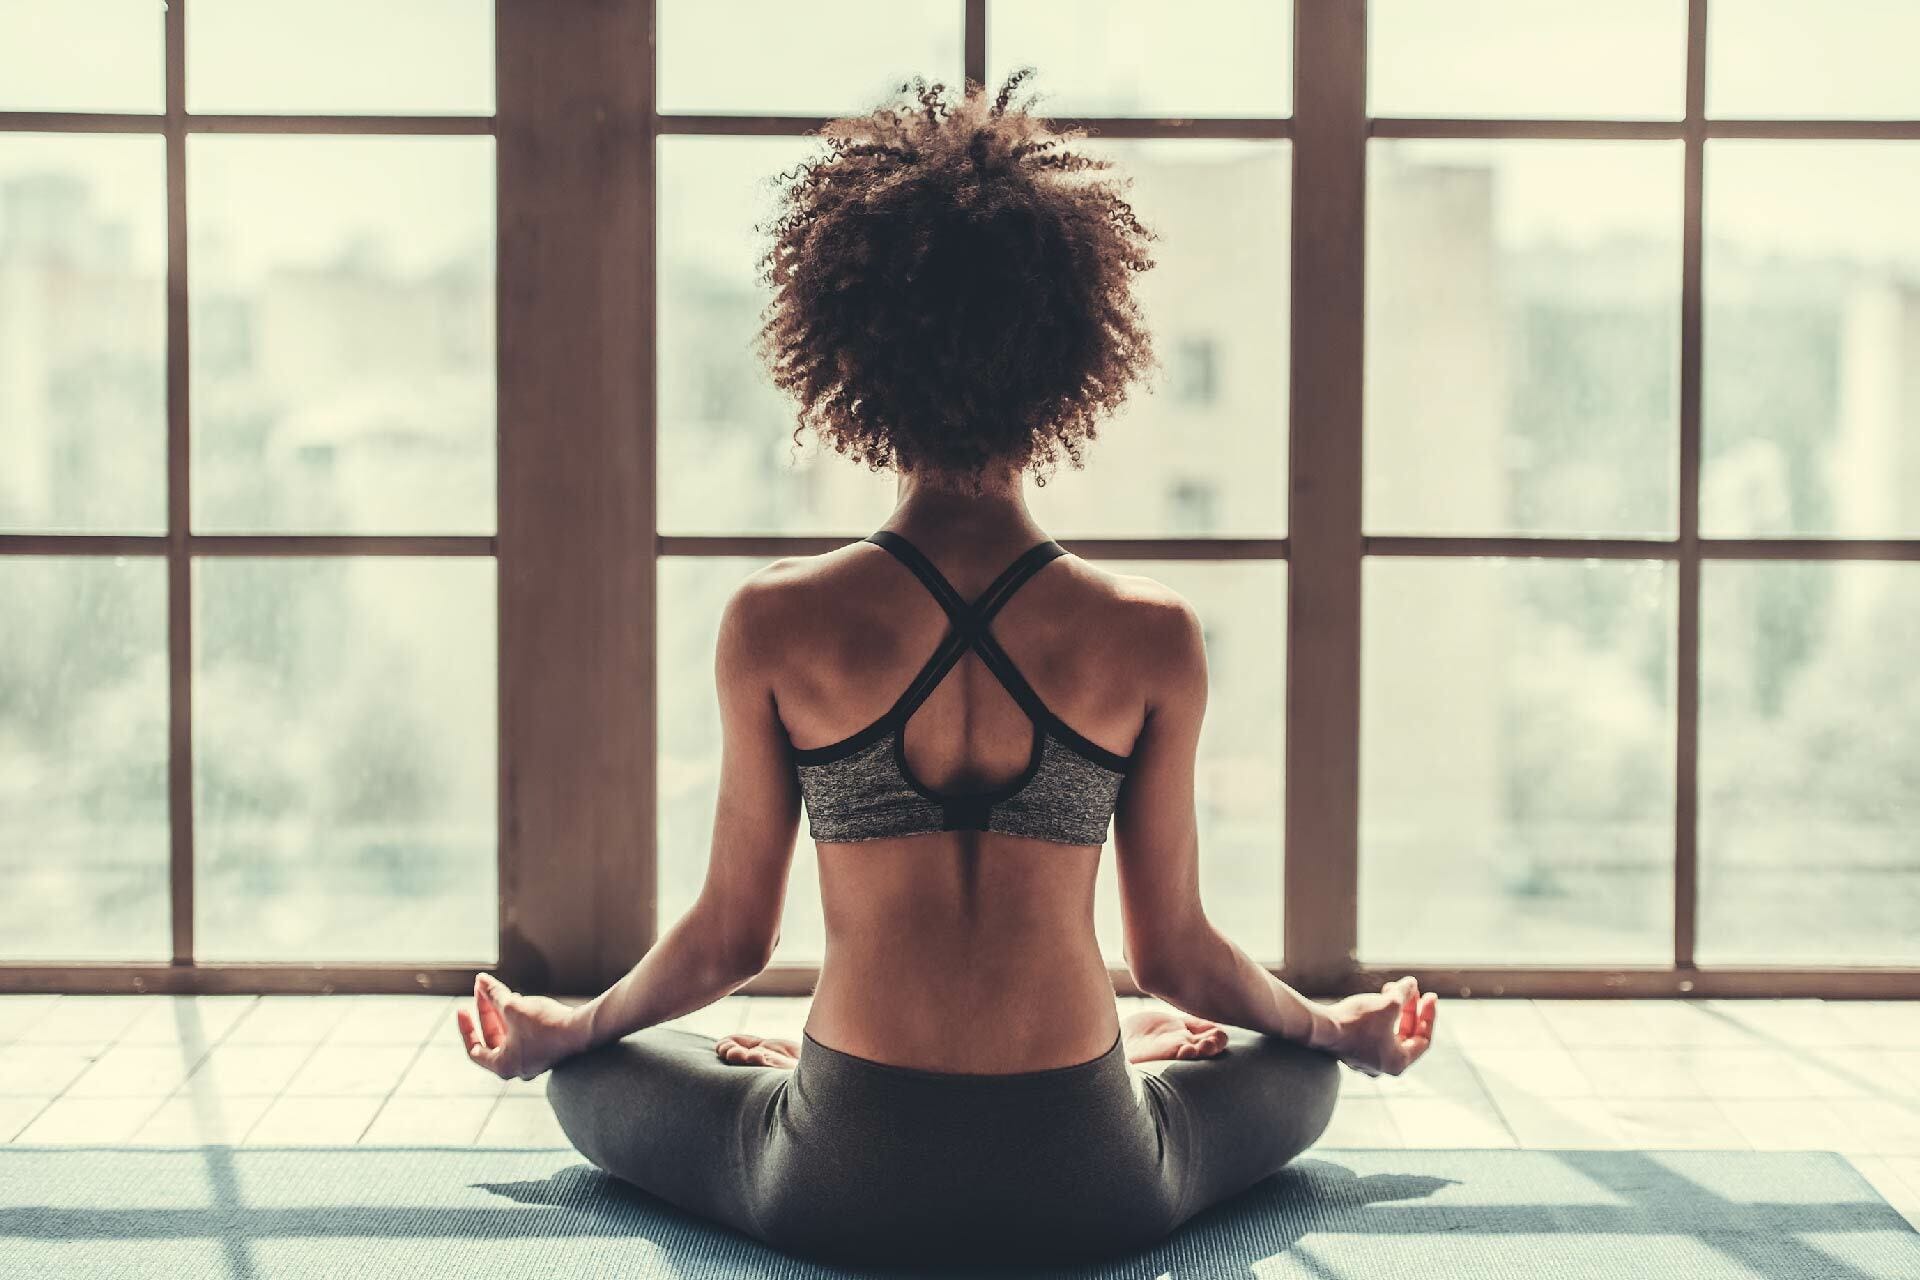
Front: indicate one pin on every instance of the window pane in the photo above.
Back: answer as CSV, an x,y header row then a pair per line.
x,y
1812,336
352,57
1838,58
1240,779
1528,58
343,334
1523,310
83,333
767,56
1205,450
692,591
1238,788
104,55
1810,764
344,759
1517,762
83,759
1141,58
728,462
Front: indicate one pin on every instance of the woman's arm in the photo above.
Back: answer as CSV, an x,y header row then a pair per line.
x,y
728,934
1173,951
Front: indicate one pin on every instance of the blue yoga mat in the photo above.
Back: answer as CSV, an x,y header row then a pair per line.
x,y
477,1213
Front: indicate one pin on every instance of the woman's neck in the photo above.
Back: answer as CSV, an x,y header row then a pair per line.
x,y
944,515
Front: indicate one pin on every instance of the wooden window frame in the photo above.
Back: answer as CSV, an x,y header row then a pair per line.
x,y
576,127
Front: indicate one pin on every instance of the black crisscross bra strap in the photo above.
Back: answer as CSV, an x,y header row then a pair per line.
x,y
969,622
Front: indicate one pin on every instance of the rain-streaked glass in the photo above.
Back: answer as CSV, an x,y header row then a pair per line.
x,y
344,57
1141,58
748,57
1811,413
1517,762
65,55
1238,788
728,462
345,759
84,842
1527,58
1809,764
1835,59
1200,448
1523,321
83,333
343,334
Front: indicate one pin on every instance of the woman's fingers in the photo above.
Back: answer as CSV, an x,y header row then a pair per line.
x,y
486,996
1429,1011
469,1031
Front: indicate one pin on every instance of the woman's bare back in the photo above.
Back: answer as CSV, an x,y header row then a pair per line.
x,y
961,950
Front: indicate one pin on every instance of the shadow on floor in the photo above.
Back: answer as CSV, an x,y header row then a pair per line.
x,y
1337,1191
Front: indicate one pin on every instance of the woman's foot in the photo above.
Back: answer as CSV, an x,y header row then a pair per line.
x,y
744,1049
1156,1035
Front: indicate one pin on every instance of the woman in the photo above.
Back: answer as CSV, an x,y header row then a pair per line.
x,y
962,708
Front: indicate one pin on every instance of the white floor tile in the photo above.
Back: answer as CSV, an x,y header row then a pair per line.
x,y
1640,1072
522,1122
192,1121
137,1071
1448,1122
1546,1124
357,1070
443,1070
91,1121
394,1020
248,1070
1888,1023
1907,1170
1655,1123
1580,1023
428,1122
39,1069
298,1122
1778,1022
1491,1023
188,1020
17,1113
1440,1073
1750,1073
289,1020
18,1012
1357,1084
1879,1126
1541,1073
1786,1124
84,1020
1361,1122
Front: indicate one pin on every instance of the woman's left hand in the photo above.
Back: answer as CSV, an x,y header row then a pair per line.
x,y
514,1036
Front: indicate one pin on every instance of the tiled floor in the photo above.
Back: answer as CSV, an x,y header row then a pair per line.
x,y
373,1070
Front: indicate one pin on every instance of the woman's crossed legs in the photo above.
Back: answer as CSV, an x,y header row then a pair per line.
x,y
866,1162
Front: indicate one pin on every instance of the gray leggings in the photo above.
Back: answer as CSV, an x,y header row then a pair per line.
x,y
844,1159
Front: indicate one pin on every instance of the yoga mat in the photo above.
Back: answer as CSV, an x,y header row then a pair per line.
x,y
477,1213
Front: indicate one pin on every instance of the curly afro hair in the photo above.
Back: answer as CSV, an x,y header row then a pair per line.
x,y
952,287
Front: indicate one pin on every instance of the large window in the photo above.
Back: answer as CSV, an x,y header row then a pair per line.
x,y
247,453
1537,431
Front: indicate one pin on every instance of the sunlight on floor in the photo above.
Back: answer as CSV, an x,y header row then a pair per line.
x,y
1774,1075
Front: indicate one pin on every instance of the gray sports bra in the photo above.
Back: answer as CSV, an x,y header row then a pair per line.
x,y
861,787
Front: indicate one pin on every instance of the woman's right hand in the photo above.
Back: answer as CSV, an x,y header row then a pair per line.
x,y
1378,1033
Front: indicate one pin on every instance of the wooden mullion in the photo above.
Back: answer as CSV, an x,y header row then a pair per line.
x,y
577,577
180,857
1323,614
1686,823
